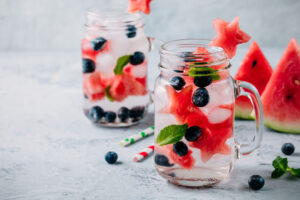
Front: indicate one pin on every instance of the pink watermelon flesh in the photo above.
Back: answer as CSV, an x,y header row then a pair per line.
x,y
139,5
93,86
256,70
215,137
281,98
186,161
229,35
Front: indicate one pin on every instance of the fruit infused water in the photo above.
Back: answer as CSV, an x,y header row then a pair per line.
x,y
194,113
114,54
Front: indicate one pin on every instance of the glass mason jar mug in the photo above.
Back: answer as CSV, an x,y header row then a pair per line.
x,y
194,100
114,54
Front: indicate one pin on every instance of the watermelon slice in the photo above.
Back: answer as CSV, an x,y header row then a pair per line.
x,y
139,5
281,98
229,35
255,65
93,86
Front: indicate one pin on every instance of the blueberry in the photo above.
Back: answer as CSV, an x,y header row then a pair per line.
x,y
200,97
177,82
98,43
110,116
162,160
193,133
137,112
180,148
123,114
85,96
95,114
137,58
256,182
288,148
202,81
111,157
131,31
88,65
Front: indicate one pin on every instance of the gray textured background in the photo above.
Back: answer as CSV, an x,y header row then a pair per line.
x,y
58,25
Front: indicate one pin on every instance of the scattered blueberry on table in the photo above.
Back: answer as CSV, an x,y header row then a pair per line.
x,y
256,182
288,148
111,157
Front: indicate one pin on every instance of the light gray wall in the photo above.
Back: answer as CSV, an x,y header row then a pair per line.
x,y
58,24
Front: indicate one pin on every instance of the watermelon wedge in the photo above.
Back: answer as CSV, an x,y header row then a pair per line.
x,y
229,35
281,98
255,65
139,5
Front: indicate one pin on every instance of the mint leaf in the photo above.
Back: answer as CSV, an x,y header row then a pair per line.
x,y
171,134
121,63
204,71
107,94
295,172
280,163
277,173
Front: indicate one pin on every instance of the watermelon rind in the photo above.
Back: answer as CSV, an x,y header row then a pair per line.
x,y
281,127
241,114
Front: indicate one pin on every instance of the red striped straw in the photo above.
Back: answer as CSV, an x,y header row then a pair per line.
x,y
143,154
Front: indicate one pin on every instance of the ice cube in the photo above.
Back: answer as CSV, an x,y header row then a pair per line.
x,y
105,63
139,71
219,115
220,93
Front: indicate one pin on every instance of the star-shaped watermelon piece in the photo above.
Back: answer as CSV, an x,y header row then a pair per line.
x,y
139,5
229,35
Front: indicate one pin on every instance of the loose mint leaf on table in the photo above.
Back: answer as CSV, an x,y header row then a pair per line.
x,y
281,167
107,94
277,173
121,63
295,172
171,134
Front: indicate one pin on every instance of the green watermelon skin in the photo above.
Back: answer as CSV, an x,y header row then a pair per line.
x,y
281,98
256,70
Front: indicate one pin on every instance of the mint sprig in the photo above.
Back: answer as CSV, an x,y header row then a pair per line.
x,y
281,167
204,71
121,63
171,134
107,94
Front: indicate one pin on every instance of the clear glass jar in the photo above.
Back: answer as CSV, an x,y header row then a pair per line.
x,y
114,53
194,100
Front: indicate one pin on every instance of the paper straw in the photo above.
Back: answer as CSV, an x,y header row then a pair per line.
x,y
143,154
132,139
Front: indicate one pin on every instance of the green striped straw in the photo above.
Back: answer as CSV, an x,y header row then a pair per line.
x,y
132,139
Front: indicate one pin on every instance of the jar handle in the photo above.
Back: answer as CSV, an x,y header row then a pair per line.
x,y
151,41
243,88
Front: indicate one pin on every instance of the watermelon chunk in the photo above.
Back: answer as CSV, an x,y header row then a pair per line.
x,y
215,136
93,86
180,103
255,65
139,5
119,89
187,161
281,98
229,35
